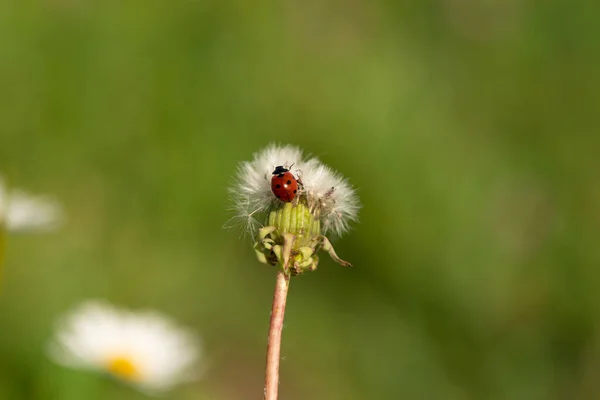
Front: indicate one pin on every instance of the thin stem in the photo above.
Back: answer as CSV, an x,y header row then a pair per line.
x,y
277,313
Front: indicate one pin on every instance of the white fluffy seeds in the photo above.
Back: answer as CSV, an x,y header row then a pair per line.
x,y
327,193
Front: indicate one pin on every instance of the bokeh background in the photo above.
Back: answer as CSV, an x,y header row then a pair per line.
x,y
469,129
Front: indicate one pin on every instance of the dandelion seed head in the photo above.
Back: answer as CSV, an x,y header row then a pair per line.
x,y
331,194
326,192
254,177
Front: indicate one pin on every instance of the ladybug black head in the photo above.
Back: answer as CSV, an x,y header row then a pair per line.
x,y
280,170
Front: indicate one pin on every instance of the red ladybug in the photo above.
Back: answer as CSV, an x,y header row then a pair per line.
x,y
283,184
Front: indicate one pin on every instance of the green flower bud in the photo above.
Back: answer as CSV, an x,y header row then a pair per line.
x,y
297,220
290,229
291,239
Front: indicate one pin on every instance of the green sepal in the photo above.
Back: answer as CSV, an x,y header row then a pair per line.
x,y
262,258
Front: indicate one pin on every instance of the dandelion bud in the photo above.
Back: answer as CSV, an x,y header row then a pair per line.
x,y
288,204
296,219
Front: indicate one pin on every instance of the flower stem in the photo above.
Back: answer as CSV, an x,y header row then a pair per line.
x,y
274,345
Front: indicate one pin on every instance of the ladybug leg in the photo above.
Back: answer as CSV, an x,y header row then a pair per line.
x,y
326,245
299,176
300,190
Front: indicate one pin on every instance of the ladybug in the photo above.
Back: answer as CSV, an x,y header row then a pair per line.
x,y
283,184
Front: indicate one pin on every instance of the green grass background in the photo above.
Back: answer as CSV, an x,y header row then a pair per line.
x,y
469,129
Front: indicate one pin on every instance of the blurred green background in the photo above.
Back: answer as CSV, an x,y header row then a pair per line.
x,y
469,129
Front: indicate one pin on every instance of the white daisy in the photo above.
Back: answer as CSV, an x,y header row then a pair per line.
x,y
329,195
20,211
144,349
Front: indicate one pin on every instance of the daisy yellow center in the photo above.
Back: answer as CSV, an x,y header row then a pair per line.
x,y
123,367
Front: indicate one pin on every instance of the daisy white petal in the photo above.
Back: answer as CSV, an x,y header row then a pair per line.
x,y
144,349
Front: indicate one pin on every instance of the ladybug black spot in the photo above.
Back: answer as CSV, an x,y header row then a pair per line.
x,y
289,182
278,186
295,190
